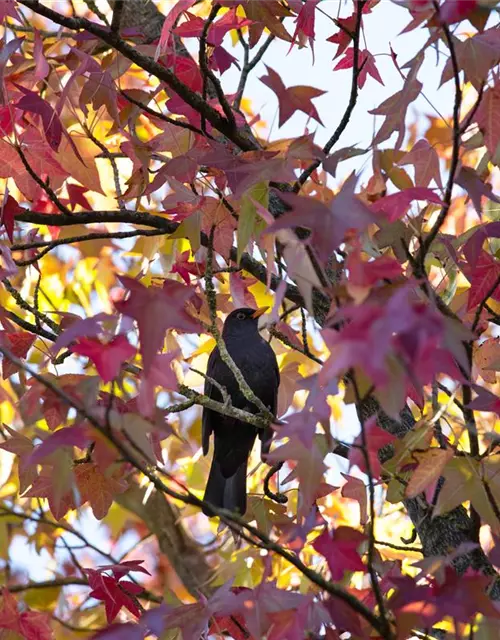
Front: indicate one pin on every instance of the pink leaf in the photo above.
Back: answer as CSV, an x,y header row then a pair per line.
x,y
395,206
469,180
66,437
42,67
52,126
426,162
328,225
108,358
377,439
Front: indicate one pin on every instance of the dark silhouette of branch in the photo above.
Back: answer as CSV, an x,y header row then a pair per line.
x,y
430,237
52,244
117,15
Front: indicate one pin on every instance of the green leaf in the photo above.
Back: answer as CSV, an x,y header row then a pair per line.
x,y
250,223
190,228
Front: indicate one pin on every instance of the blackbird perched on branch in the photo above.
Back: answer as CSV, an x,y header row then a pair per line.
x,y
234,439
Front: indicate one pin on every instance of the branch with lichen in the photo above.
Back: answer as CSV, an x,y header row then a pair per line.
x,y
225,408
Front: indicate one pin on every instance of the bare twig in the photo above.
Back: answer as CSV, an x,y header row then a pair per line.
x,y
430,237
353,97
43,185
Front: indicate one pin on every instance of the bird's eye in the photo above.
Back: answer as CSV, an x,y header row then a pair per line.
x,y
240,316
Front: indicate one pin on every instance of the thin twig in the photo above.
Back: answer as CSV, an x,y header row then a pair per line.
x,y
248,65
429,238
52,244
43,185
353,97
207,73
159,115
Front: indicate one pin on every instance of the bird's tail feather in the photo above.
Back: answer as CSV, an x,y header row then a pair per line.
x,y
227,493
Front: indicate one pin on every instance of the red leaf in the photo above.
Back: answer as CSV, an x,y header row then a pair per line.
x,y
115,594
340,550
304,24
76,327
483,277
469,180
123,568
160,374
376,438
52,126
426,162
342,37
395,107
21,447
453,11
292,99
156,310
355,489
75,193
19,344
193,28
366,62
487,117
485,400
309,469
30,625
97,488
170,21
10,209
238,286
396,205
66,437
366,273
43,487
42,67
108,358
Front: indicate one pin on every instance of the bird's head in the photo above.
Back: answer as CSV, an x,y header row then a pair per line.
x,y
243,322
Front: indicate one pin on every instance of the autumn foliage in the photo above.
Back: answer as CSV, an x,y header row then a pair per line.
x,y
143,198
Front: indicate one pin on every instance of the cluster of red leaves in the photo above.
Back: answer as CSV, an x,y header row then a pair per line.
x,y
383,329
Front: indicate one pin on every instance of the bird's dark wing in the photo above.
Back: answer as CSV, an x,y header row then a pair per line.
x,y
266,435
208,415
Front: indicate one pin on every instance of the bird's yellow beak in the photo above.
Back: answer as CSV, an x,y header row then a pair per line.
x,y
260,311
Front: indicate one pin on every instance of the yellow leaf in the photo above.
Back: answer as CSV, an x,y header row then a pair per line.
x,y
42,599
85,172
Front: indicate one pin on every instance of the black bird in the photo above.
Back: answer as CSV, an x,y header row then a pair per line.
x,y
234,439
